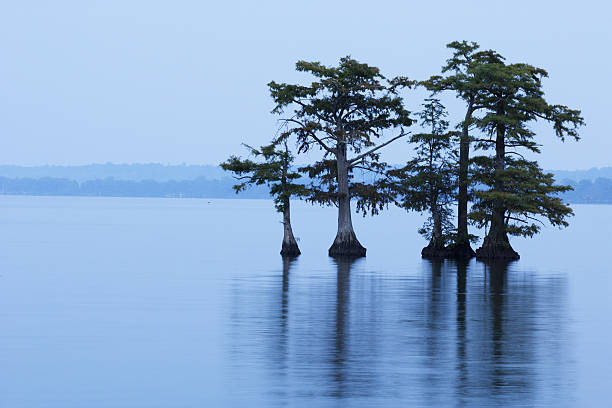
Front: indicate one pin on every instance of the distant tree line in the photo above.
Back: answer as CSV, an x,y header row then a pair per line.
x,y
109,187
598,191
350,112
134,172
179,172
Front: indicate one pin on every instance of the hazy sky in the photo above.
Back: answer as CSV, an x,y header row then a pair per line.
x,y
185,81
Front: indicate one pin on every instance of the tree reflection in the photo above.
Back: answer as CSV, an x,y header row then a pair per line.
x,y
456,333
339,356
284,315
461,271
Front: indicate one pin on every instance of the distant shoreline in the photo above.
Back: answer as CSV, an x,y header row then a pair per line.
x,y
153,180
163,172
235,197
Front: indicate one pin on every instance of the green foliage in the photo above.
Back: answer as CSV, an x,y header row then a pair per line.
x,y
462,75
512,99
342,112
272,169
428,182
528,195
370,197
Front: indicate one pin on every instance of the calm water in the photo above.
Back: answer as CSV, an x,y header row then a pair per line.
x,y
186,303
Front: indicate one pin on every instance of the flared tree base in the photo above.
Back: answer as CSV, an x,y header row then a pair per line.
x,y
290,249
434,251
453,251
350,248
460,251
496,251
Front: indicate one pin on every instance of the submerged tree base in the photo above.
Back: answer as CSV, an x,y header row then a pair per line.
x,y
433,251
454,251
460,251
290,249
347,248
501,251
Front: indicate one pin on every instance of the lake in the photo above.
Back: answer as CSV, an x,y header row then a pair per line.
x,y
120,302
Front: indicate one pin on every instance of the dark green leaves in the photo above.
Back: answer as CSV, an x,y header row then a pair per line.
x,y
528,195
350,104
343,112
428,182
273,169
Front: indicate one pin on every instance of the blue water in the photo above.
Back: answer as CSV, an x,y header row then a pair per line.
x,y
117,302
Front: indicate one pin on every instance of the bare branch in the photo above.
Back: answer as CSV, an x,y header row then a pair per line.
x,y
361,156
518,154
314,136
523,221
369,169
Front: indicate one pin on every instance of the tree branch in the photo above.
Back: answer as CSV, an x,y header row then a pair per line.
x,y
369,169
523,221
314,136
518,154
361,156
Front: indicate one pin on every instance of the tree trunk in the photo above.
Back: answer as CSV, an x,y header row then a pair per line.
x,y
346,243
436,248
290,246
461,248
496,244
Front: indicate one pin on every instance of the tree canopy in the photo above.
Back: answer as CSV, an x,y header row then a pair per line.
x,y
274,171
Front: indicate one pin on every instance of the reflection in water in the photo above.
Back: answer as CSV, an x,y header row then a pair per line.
x,y
455,334
343,280
461,364
287,261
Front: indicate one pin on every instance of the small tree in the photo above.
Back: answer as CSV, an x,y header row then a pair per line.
x,y
528,195
275,171
462,76
517,194
342,113
427,183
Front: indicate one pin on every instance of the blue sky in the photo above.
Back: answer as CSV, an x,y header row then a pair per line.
x,y
185,81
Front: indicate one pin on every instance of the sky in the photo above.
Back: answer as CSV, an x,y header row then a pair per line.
x,y
175,82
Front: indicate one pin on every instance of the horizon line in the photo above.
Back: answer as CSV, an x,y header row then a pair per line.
x,y
108,163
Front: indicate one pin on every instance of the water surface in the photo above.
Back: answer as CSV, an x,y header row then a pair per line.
x,y
117,302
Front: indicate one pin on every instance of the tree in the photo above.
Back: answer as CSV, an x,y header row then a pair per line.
x,y
427,183
462,78
517,194
274,171
342,113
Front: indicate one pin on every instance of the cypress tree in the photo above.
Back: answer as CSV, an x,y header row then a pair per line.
x,y
517,195
427,183
273,168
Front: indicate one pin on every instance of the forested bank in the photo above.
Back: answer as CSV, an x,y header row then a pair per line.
x,y
598,191
197,188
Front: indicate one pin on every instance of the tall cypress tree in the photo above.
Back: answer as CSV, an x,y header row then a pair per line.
x,y
343,112
272,168
461,76
517,194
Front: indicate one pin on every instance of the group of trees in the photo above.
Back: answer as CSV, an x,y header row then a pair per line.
x,y
351,111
